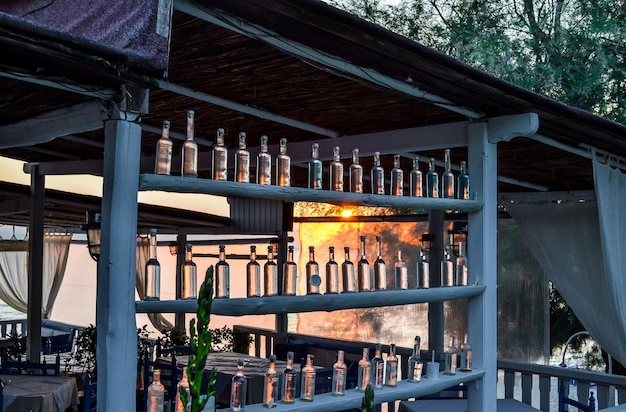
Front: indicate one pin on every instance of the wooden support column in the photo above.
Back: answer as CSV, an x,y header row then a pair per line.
x,y
116,350
181,241
35,264
436,318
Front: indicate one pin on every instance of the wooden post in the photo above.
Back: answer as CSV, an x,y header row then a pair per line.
x,y
435,309
181,241
35,264
116,350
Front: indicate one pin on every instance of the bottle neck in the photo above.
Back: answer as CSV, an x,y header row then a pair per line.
x,y
396,162
242,141
366,353
270,255
222,255
153,246
431,165
253,256
379,248
347,254
377,159
290,255
283,148
415,164
188,255
355,157
311,255
340,356
331,255
362,251
447,160
190,125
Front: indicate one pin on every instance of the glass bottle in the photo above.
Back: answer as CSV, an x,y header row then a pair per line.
x,y
184,385
242,161
336,171
190,150
462,182
377,176
290,274
307,387
365,277
163,157
397,177
222,275
380,269
339,375
315,168
253,275
264,164
190,275
461,266
356,173
432,180
451,354
364,374
415,179
378,367
447,267
288,394
402,273
391,369
447,179
220,157
152,275
313,279
347,273
423,270
332,272
156,393
238,388
466,356
270,274
415,362
270,388
283,165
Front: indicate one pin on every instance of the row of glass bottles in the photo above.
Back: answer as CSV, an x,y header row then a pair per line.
x,y
454,360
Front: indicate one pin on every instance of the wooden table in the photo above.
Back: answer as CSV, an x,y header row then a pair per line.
x,y
39,393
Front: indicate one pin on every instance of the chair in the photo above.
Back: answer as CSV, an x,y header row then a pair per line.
x,y
18,367
176,350
170,375
564,400
91,395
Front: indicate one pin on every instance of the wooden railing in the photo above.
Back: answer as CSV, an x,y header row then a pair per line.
x,y
17,327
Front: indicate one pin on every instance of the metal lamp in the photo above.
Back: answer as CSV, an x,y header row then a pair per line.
x,y
92,227
457,236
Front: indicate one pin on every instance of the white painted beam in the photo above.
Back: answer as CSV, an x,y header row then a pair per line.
x,y
505,128
46,127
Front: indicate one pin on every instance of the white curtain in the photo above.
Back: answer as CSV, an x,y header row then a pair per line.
x,y
14,273
580,244
143,255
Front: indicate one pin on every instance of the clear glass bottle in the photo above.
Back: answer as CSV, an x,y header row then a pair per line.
x,y
447,267
339,375
377,176
190,275
451,355
270,388
156,393
402,273
238,389
415,179
364,374
163,157
288,394
466,356
270,274
397,177
152,274
447,179
222,275
415,364
332,272
242,161
264,164
461,266
348,277
220,157
423,270
462,182
378,368
253,275
391,368
380,269
307,387
190,149
283,165
364,273
313,279
356,173
315,168
336,171
184,385
432,180
290,274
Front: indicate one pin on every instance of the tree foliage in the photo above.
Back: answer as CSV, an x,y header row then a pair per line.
x,y
572,51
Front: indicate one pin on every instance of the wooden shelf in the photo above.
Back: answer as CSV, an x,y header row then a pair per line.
x,y
294,194
313,303
327,402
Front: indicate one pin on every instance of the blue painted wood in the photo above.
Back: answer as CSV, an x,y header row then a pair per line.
x,y
90,398
35,263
